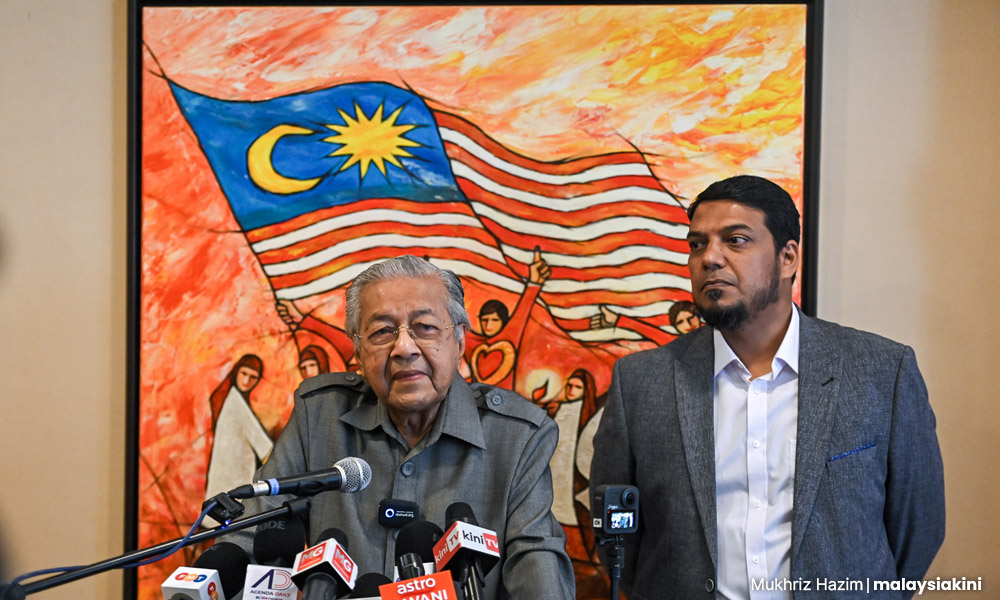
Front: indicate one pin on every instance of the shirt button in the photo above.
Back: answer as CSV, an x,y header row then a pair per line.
x,y
351,377
756,443
496,400
755,559
709,585
756,503
408,468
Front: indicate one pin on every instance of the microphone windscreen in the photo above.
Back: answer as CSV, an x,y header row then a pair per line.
x,y
368,584
357,474
333,534
460,511
278,541
230,561
418,537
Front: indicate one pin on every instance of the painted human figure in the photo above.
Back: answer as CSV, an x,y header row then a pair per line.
x,y
683,316
336,336
492,354
240,442
313,360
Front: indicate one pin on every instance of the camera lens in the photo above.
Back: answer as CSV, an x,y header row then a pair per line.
x,y
629,498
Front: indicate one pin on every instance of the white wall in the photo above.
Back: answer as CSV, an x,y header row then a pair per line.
x,y
908,247
909,151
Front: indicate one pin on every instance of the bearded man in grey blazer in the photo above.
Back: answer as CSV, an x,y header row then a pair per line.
x,y
776,455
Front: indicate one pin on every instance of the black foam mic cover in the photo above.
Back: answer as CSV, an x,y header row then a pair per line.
x,y
278,541
230,561
368,584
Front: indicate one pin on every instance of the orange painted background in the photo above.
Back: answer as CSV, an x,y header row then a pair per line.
x,y
704,92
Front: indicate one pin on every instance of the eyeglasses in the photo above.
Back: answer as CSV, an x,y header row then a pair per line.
x,y
420,332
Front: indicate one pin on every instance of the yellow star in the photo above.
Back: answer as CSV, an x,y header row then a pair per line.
x,y
370,140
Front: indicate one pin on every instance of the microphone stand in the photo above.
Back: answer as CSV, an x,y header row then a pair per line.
x,y
292,507
616,560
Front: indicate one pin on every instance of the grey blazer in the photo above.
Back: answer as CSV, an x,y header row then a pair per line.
x,y
869,484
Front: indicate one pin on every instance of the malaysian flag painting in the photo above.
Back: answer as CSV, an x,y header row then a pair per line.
x,y
545,154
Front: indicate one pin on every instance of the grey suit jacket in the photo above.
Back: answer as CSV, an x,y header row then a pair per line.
x,y
869,485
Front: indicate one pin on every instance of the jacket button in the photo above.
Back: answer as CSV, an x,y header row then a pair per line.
x,y
496,399
709,585
408,468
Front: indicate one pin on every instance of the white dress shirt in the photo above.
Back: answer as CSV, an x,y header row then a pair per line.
x,y
755,429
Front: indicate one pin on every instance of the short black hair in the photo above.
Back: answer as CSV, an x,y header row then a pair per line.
x,y
780,214
495,306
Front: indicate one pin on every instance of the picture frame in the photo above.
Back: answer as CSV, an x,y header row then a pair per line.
x,y
513,102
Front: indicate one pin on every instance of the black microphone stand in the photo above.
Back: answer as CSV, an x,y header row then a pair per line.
x,y
292,507
473,581
616,560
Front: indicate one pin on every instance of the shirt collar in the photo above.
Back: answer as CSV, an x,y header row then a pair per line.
x,y
787,354
458,416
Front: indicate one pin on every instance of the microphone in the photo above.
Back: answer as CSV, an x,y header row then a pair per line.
x,y
230,562
325,570
367,586
348,475
276,542
467,549
191,583
415,546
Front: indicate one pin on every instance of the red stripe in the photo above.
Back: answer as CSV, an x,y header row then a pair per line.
x,y
568,190
600,245
575,218
565,167
296,223
594,297
332,238
374,254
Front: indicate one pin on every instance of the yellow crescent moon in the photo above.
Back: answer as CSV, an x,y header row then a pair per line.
x,y
262,170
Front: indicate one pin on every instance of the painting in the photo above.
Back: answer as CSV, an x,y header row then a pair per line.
x,y
545,154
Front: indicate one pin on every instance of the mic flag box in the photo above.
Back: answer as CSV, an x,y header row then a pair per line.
x,y
436,586
466,538
190,583
269,583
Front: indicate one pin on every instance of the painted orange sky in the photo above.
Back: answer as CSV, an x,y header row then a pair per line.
x,y
704,92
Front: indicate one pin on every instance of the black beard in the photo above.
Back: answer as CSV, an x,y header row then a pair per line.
x,y
725,318
733,318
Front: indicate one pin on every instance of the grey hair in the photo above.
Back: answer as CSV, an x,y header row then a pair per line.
x,y
407,266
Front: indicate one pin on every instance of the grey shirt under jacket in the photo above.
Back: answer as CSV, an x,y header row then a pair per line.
x,y
869,484
488,447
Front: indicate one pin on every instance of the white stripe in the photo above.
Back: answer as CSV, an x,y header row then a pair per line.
x,y
592,174
357,218
347,274
582,233
390,240
585,311
632,283
610,334
471,271
562,204
620,256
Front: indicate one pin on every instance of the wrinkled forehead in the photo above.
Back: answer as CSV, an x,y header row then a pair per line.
x,y
402,299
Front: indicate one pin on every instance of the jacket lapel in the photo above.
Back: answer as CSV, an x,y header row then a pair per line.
x,y
693,390
819,379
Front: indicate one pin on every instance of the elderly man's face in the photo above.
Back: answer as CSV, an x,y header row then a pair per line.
x,y
410,373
